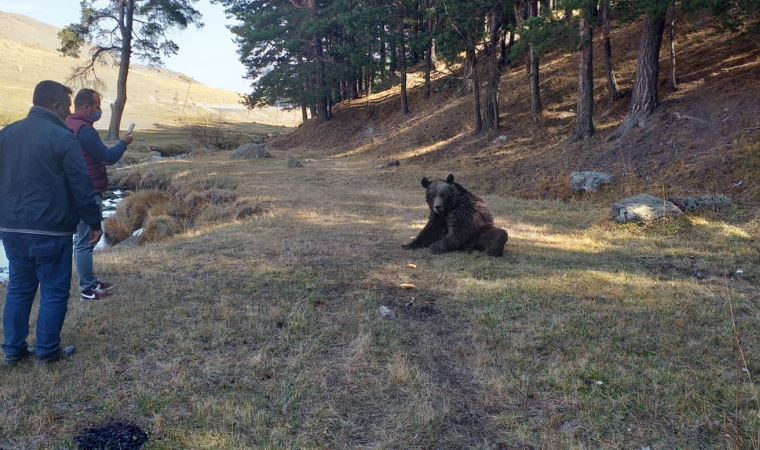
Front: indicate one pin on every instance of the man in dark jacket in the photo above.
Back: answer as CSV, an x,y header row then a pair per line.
x,y
44,190
96,156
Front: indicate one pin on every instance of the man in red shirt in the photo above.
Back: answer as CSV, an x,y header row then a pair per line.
x,y
97,156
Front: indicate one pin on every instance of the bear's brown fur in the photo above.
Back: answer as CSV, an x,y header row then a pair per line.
x,y
459,220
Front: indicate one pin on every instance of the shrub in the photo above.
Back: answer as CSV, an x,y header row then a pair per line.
x,y
211,133
160,228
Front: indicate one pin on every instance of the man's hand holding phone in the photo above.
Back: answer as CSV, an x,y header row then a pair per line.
x,y
128,137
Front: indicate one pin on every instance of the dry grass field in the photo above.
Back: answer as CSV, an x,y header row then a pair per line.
x,y
265,332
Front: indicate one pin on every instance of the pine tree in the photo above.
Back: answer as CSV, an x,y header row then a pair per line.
x,y
584,118
644,96
121,29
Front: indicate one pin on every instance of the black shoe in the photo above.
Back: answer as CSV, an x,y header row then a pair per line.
x,y
10,362
55,357
93,294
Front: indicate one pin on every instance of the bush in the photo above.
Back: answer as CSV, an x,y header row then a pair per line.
x,y
211,133
160,228
133,212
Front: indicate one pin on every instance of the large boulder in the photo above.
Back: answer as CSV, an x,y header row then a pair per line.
x,y
251,151
643,208
589,181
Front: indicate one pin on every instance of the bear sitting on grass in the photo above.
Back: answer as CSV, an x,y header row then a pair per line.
x,y
459,220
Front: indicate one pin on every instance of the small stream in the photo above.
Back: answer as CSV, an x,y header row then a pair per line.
x,y
111,200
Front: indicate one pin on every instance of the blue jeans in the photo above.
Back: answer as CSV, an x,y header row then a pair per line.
x,y
83,253
34,260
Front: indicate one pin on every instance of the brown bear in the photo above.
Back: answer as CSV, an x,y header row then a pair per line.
x,y
459,220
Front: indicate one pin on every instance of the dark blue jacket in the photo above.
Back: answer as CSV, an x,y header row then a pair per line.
x,y
44,186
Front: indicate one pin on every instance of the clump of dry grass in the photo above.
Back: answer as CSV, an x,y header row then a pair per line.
x,y
133,211
159,228
154,180
189,204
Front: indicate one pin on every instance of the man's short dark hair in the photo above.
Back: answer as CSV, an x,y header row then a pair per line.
x,y
47,93
85,97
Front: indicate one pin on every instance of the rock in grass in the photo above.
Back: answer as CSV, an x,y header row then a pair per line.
x,y
643,208
500,140
132,241
589,181
386,312
293,163
701,203
251,151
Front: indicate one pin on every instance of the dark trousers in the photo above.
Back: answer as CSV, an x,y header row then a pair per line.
x,y
36,260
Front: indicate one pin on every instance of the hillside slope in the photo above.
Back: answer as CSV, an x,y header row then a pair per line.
x,y
704,137
156,96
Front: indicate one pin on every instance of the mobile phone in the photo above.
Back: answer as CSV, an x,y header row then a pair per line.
x,y
131,128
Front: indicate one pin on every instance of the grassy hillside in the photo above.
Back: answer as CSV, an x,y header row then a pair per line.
x,y
28,49
705,135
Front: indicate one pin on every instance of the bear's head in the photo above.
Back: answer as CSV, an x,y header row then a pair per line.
x,y
442,196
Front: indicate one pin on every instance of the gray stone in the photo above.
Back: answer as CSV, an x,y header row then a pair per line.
x,y
251,151
500,140
386,312
292,163
643,208
132,241
589,181
701,203
368,132
154,153
258,138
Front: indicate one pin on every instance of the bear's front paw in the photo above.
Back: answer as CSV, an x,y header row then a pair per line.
x,y
437,249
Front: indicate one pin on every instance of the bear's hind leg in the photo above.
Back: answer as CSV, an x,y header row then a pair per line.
x,y
493,241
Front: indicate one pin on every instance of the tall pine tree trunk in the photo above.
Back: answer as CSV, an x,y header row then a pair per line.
x,y
493,46
584,118
609,70
393,64
304,115
382,60
672,36
535,89
644,96
402,61
472,69
323,112
506,47
126,15
428,67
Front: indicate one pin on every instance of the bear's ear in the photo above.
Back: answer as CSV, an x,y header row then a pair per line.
x,y
450,178
425,182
